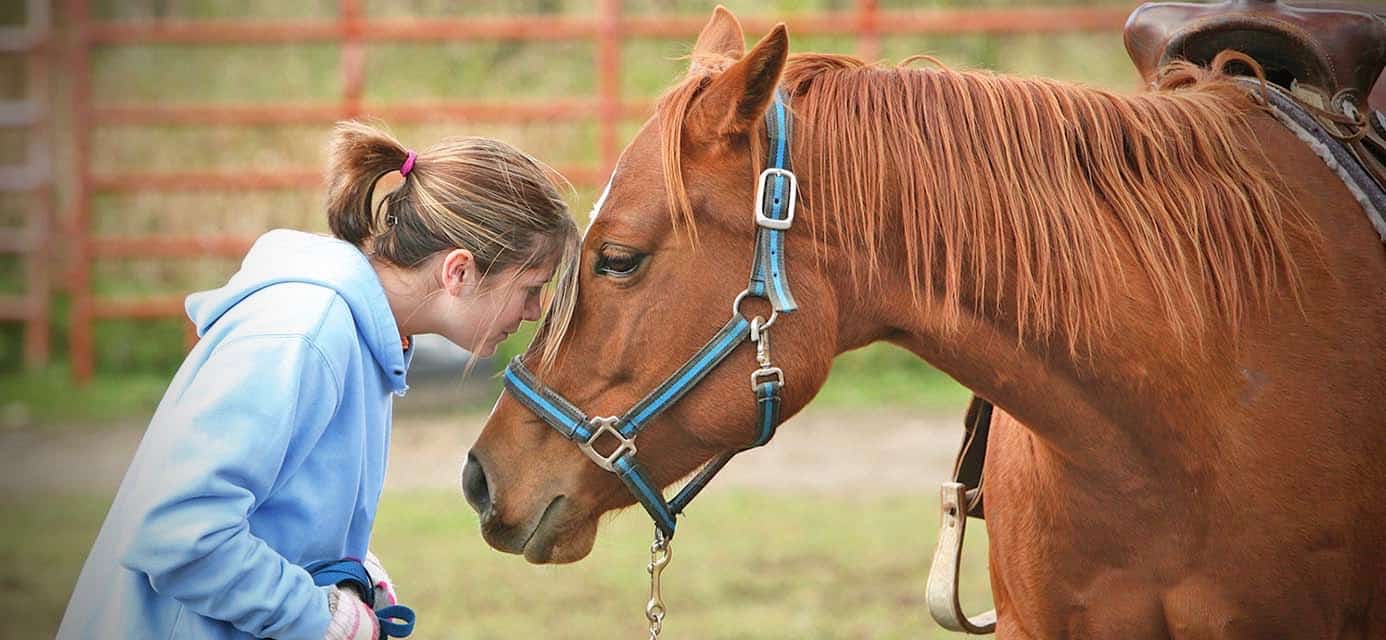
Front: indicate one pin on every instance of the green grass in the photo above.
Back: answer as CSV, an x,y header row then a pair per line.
x,y
47,398
877,376
885,375
43,543
745,565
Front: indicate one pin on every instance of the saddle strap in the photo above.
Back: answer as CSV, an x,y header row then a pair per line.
x,y
972,457
1362,133
1370,148
1348,161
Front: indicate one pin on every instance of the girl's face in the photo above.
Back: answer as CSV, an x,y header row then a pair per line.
x,y
479,313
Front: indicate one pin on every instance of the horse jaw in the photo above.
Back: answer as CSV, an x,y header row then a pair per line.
x,y
561,536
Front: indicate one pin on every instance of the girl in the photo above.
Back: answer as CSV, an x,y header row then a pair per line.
x,y
267,453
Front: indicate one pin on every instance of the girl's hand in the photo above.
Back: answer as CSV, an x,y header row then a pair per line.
x,y
385,594
351,618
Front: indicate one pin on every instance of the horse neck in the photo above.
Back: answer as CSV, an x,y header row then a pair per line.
x,y
1089,271
1119,391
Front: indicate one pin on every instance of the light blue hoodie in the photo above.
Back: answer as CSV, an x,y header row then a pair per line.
x,y
266,454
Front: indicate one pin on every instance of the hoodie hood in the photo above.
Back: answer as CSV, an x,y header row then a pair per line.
x,y
284,255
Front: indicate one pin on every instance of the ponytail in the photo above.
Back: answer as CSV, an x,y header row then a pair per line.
x,y
359,155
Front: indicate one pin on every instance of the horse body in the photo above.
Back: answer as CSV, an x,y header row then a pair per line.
x,y
1188,440
1142,491
1234,497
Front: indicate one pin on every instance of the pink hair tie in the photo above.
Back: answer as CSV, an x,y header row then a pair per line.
x,y
408,164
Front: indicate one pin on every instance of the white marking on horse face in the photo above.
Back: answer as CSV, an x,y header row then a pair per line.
x,y
601,200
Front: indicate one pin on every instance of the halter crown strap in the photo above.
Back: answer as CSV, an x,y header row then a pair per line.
x,y
776,197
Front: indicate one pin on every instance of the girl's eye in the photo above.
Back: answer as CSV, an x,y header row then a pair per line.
x,y
619,264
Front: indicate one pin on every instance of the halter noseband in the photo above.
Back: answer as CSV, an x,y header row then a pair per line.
x,y
774,214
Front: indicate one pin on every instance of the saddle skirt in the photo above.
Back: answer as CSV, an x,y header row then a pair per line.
x,y
1359,166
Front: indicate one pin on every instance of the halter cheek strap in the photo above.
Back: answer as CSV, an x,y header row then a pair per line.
x,y
776,195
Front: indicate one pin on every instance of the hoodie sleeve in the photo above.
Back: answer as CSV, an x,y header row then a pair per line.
x,y
255,407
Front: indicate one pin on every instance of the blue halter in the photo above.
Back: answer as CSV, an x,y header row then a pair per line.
x,y
776,193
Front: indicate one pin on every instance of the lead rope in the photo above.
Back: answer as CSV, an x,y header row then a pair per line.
x,y
660,554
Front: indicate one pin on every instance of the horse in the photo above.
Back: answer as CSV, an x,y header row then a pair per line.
x,y
1175,305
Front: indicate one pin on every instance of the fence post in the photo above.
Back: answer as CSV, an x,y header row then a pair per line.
x,y
30,178
40,161
353,57
868,35
608,60
79,276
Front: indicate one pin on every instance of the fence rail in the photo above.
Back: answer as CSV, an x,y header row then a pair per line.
x,y
935,21
32,178
607,28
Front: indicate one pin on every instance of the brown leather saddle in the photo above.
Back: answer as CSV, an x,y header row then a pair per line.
x,y
1335,47
1328,56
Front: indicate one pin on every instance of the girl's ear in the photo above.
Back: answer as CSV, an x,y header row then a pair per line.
x,y
457,264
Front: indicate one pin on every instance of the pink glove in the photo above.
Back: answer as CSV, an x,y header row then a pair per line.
x,y
351,618
384,587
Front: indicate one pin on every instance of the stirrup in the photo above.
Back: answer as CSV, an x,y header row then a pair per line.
x,y
942,587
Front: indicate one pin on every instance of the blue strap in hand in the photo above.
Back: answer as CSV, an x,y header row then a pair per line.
x,y
396,620
388,616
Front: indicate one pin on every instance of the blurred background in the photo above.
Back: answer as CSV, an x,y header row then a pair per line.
x,y
145,143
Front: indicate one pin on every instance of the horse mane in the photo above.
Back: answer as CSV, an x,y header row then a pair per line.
x,y
1034,188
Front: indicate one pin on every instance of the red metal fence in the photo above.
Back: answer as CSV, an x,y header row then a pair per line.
x,y
32,180
352,30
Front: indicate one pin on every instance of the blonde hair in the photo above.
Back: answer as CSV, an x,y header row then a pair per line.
x,y
473,193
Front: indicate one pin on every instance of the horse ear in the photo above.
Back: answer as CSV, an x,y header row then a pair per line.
x,y
720,37
735,100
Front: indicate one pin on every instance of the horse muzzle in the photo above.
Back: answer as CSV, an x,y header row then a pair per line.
x,y
543,536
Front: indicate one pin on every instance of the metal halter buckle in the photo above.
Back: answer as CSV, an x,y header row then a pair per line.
x,y
599,427
767,372
788,219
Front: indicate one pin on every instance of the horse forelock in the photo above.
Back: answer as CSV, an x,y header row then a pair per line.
x,y
1044,183
671,113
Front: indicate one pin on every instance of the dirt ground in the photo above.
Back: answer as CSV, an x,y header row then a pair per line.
x,y
828,450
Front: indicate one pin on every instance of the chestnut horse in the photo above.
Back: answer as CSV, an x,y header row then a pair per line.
x,y
1179,303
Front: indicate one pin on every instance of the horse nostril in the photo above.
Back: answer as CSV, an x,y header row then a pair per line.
x,y
475,487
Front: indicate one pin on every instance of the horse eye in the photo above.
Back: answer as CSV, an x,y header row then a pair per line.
x,y
619,265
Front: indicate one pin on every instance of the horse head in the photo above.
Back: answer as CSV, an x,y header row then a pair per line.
x,y
665,256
